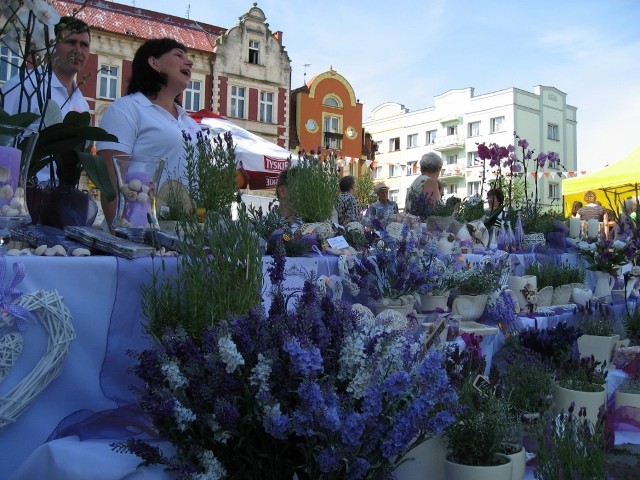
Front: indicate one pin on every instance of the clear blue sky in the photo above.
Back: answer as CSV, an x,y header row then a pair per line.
x,y
407,51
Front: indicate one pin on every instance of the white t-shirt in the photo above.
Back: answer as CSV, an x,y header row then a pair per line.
x,y
16,101
145,128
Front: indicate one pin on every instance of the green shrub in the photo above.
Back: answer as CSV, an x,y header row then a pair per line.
x,y
550,274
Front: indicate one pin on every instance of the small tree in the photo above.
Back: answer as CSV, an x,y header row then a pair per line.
x,y
364,190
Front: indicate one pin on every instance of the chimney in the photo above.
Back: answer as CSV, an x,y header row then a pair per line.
x,y
278,36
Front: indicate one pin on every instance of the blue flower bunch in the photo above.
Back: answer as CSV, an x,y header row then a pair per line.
x,y
325,391
397,266
502,312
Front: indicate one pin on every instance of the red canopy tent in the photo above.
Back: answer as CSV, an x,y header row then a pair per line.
x,y
259,161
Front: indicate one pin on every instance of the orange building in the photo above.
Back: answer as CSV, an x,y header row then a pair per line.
x,y
328,119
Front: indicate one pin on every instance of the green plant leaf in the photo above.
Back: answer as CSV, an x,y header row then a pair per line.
x,y
65,143
23,119
98,173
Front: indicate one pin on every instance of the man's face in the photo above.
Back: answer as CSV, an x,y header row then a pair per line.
x,y
72,52
383,195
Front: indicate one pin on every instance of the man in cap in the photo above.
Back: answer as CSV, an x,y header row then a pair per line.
x,y
381,208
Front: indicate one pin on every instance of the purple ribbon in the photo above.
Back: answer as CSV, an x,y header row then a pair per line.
x,y
9,294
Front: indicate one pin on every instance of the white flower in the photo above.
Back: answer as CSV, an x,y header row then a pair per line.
x,y
229,354
183,416
212,466
173,375
260,373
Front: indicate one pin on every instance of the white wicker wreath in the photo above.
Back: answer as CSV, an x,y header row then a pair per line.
x,y
55,318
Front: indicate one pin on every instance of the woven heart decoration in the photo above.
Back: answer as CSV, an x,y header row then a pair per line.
x,y
10,350
54,317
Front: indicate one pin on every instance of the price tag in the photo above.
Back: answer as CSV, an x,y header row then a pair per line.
x,y
337,242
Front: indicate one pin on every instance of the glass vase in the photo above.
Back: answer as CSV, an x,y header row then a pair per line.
x,y
16,148
138,177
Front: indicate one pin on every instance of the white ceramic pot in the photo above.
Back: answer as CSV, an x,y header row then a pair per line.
x,y
469,307
545,296
424,462
604,284
562,398
561,295
518,464
381,306
429,303
624,399
600,347
456,471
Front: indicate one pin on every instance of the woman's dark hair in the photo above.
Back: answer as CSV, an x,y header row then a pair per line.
x,y
497,194
145,79
346,183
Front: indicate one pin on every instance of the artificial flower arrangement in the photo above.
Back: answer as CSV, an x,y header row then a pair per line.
x,y
325,391
605,255
398,266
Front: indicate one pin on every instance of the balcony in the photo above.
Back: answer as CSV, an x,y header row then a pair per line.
x,y
453,171
449,142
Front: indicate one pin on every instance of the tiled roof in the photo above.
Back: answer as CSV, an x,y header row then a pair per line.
x,y
140,23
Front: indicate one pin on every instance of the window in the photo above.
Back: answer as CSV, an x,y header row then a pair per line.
x,y
237,101
412,140
331,102
412,168
497,124
378,148
394,195
8,64
108,82
395,170
266,107
473,188
474,129
555,164
553,132
452,159
452,189
254,52
473,160
452,130
331,124
332,135
377,173
431,137
192,96
554,190
394,144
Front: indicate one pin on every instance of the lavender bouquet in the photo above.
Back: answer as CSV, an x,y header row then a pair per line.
x,y
398,265
325,392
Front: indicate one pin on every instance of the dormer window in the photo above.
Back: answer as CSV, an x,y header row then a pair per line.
x,y
331,101
254,52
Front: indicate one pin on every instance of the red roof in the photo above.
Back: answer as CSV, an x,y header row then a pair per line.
x,y
140,23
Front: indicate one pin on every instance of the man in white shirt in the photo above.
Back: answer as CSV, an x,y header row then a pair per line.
x,y
73,42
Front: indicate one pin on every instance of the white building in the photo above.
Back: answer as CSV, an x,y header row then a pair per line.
x,y
454,126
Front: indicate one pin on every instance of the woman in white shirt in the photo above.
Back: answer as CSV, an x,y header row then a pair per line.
x,y
149,120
